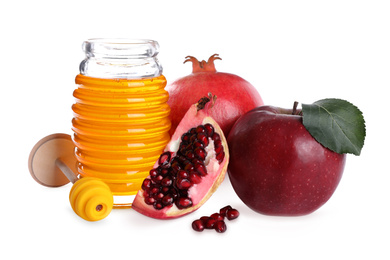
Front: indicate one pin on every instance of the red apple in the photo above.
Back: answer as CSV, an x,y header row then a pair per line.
x,y
276,166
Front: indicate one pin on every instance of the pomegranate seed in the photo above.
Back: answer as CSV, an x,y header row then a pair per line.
x,y
200,129
232,214
146,184
196,161
183,203
201,169
195,178
220,226
215,137
204,219
197,225
223,210
220,157
218,143
183,184
189,167
176,167
217,216
183,174
190,154
165,190
182,159
154,190
158,205
198,144
200,153
218,149
184,147
167,200
159,196
209,223
202,137
193,138
186,137
164,158
158,178
173,192
182,193
166,182
192,131
150,200
153,173
209,129
163,170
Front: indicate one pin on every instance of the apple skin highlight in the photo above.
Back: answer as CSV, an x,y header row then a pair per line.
x,y
277,168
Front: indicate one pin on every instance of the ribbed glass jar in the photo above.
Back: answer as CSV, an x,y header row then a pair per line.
x,y
121,113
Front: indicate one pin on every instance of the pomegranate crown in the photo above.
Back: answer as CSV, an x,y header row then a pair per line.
x,y
203,66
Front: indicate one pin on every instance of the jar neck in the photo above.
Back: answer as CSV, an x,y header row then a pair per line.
x,y
120,58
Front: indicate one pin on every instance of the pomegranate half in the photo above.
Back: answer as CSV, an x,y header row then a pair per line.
x,y
190,169
236,96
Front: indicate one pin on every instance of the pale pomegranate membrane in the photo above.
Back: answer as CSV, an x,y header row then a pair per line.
x,y
186,164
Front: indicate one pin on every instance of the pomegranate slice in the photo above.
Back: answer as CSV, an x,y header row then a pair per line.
x,y
189,170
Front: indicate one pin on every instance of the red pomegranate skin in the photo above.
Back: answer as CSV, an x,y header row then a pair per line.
x,y
277,168
236,96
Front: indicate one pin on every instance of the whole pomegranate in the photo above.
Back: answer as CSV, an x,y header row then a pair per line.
x,y
236,96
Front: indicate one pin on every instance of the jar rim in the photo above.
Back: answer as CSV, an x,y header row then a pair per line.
x,y
120,47
124,41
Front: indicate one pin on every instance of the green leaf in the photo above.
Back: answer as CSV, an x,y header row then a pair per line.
x,y
336,124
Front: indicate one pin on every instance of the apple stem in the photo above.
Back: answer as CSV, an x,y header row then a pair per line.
x,y
294,111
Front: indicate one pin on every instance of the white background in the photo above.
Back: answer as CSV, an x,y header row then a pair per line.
x,y
289,50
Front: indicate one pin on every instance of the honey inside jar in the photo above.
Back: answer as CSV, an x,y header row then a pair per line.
x,y
121,121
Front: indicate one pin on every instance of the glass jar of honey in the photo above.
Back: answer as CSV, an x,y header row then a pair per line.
x,y
121,114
